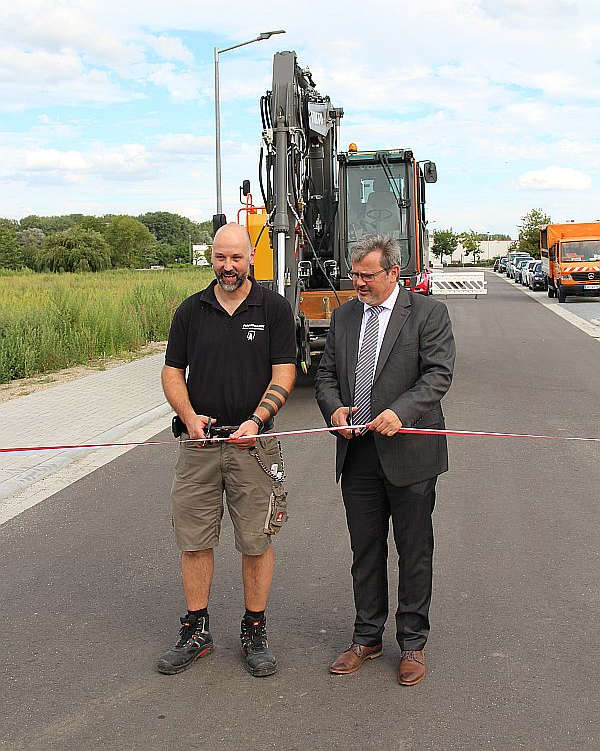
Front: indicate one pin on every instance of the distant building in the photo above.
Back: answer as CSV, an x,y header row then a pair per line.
x,y
199,255
489,249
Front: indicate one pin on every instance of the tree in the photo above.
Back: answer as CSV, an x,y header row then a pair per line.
x,y
50,224
9,224
204,232
30,244
129,240
168,228
97,223
10,255
445,242
469,241
529,231
486,236
75,249
177,231
159,254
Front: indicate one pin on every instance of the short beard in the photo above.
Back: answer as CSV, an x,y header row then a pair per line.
x,y
232,286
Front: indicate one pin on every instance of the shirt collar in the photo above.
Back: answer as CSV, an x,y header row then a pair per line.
x,y
389,302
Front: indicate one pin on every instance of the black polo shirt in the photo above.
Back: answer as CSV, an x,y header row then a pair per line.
x,y
229,358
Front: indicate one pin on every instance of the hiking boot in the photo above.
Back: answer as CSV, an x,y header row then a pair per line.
x,y
259,658
194,642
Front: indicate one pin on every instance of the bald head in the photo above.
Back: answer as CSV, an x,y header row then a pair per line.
x,y
232,235
232,255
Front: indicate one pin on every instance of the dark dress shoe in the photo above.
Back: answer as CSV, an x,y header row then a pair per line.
x,y
353,658
412,667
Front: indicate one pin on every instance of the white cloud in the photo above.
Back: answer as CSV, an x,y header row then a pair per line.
x,y
42,160
182,86
184,144
555,178
128,161
55,26
170,48
38,67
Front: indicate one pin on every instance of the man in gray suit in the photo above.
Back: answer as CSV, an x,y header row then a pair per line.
x,y
387,363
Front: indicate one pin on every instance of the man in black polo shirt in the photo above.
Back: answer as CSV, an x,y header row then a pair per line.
x,y
237,341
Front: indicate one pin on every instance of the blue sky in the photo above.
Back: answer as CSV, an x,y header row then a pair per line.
x,y
108,107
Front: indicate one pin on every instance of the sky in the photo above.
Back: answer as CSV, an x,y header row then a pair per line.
x,y
108,107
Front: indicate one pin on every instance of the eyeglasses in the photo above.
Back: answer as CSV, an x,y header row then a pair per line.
x,y
355,275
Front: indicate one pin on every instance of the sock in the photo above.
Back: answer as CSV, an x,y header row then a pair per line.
x,y
254,615
195,614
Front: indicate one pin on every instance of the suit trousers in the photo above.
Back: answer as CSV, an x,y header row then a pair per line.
x,y
370,500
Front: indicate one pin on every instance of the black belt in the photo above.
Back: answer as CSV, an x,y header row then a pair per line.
x,y
211,431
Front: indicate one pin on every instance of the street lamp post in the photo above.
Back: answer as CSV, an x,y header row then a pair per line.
x,y
217,52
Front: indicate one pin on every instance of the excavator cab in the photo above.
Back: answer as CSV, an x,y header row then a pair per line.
x,y
381,193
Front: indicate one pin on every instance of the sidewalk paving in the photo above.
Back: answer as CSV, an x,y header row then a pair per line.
x,y
99,408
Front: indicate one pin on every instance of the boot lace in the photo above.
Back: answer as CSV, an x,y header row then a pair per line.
x,y
254,635
189,629
411,654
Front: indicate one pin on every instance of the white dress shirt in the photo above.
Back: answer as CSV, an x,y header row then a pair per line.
x,y
383,319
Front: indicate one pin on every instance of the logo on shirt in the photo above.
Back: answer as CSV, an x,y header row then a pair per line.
x,y
251,329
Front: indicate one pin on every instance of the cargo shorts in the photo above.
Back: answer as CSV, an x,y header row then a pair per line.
x,y
255,497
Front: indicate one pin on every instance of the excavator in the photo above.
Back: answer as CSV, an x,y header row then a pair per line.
x,y
317,202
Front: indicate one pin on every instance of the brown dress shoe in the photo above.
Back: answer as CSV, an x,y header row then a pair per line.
x,y
412,667
354,657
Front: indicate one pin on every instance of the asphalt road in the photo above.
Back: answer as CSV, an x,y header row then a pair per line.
x,y
587,308
90,585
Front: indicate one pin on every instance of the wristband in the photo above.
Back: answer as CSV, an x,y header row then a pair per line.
x,y
258,421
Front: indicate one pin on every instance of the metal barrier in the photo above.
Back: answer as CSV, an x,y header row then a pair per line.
x,y
459,283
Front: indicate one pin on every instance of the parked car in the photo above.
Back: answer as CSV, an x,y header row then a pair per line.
x,y
501,265
424,283
537,278
526,272
518,266
510,265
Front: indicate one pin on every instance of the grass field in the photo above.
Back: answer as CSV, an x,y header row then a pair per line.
x,y
53,321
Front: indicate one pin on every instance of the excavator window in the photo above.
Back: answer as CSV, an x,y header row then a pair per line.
x,y
376,203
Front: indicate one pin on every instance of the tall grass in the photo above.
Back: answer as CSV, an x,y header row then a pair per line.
x,y
53,321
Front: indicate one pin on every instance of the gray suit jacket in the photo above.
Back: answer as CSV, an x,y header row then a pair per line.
x,y
413,372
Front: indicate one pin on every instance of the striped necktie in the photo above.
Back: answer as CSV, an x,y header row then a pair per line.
x,y
365,368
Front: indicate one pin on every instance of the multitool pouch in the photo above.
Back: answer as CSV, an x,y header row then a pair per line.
x,y
267,453
277,514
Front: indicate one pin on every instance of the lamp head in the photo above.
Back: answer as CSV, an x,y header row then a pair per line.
x,y
267,34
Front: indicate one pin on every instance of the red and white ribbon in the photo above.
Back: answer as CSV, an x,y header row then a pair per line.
x,y
303,431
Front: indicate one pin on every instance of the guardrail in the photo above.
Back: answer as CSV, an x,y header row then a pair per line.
x,y
459,283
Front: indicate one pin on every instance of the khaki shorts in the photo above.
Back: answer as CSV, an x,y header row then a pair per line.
x,y
203,473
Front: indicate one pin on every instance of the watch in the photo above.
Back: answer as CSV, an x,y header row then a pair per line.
x,y
258,421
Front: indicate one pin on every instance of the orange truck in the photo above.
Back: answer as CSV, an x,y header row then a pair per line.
x,y
570,256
